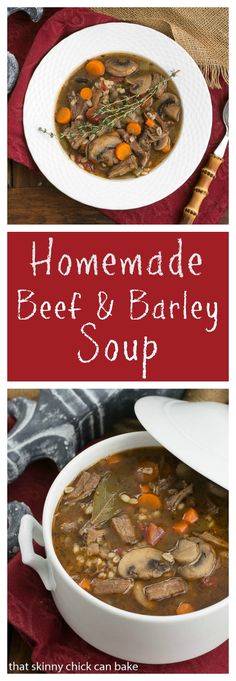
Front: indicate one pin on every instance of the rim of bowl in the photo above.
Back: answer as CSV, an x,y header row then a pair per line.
x,y
52,556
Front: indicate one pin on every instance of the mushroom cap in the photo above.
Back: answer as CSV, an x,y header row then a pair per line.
x,y
144,563
121,65
186,551
184,472
202,567
101,144
140,82
169,104
217,491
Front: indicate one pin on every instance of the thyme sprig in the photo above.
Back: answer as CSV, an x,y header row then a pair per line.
x,y
112,112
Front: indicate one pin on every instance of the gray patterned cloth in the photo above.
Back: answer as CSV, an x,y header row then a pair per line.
x,y
58,426
35,14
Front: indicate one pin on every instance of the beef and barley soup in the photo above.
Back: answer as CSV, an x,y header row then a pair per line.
x,y
144,532
118,115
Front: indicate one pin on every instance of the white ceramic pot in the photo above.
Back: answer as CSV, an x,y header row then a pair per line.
x,y
127,635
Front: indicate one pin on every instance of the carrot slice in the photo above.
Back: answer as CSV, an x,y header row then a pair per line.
x,y
150,123
95,67
149,501
191,515
114,458
86,93
145,489
134,128
184,608
63,115
85,584
181,527
122,151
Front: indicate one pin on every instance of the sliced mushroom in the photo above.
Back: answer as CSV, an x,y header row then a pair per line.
x,y
168,588
140,82
109,158
139,595
121,66
144,563
213,539
169,105
217,491
101,144
186,551
203,567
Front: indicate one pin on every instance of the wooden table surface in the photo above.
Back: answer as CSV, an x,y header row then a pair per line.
x,y
32,200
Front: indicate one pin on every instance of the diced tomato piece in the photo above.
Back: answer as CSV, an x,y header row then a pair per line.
x,y
191,515
181,527
153,533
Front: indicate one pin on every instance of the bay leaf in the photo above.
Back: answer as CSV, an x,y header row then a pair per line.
x,y
106,501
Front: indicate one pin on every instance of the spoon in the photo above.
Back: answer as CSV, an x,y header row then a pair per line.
x,y
208,174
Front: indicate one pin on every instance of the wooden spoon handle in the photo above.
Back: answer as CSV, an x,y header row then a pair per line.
x,y
200,191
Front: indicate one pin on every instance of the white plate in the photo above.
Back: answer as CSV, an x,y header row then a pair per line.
x,y
195,432
53,71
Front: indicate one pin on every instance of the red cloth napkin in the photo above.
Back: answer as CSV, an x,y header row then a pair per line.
x,y
31,42
33,613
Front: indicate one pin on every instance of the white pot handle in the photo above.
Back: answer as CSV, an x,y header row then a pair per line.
x,y
30,529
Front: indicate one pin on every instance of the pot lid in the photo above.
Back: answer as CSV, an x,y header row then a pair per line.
x,y
195,432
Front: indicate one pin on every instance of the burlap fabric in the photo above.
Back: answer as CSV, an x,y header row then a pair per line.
x,y
202,31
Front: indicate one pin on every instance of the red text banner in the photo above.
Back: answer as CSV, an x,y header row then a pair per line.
x,y
118,307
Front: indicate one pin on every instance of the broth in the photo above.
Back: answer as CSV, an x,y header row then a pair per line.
x,y
144,532
121,123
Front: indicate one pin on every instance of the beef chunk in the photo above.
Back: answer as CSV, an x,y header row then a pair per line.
x,y
77,105
168,588
111,586
124,528
176,499
124,167
86,485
